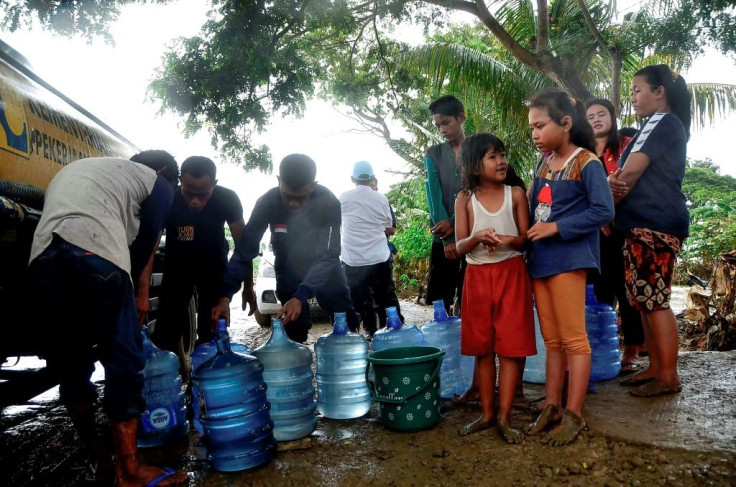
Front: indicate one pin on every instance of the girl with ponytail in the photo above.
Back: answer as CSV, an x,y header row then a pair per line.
x,y
609,284
570,202
651,210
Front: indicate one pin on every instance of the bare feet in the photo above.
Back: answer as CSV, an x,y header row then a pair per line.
x,y
656,388
549,416
637,379
511,435
567,431
471,395
479,424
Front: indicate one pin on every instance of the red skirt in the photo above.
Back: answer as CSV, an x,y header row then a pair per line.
x,y
497,314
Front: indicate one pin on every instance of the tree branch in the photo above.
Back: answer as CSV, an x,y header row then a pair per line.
x,y
383,56
461,5
592,27
377,124
516,49
298,18
615,54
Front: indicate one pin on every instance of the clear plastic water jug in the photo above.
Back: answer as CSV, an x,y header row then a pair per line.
x,y
535,368
288,373
202,353
164,419
602,328
443,332
231,391
396,334
342,392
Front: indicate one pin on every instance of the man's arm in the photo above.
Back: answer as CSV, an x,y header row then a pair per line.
x,y
236,230
142,287
153,213
240,266
234,214
389,221
391,231
434,192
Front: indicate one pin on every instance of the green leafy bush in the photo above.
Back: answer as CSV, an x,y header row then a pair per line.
x,y
712,205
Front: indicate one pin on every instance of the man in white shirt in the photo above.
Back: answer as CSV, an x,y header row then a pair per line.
x,y
366,216
101,224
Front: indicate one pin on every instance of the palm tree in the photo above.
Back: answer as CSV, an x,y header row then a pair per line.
x,y
473,64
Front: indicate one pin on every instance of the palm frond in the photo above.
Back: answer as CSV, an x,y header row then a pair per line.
x,y
710,102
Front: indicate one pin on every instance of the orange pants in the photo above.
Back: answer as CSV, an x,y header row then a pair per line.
x,y
561,308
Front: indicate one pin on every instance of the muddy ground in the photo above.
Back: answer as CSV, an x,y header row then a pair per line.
x,y
621,447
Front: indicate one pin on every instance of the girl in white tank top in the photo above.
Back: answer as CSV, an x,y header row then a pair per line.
x,y
501,221
491,221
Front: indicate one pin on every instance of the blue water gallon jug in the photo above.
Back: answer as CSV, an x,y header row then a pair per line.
x,y
535,370
602,328
202,353
396,334
342,392
231,391
288,373
443,332
165,416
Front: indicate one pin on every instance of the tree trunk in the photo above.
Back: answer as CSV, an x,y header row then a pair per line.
x,y
723,284
563,72
616,66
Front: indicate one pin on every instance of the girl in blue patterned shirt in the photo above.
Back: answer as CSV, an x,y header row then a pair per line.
x,y
570,201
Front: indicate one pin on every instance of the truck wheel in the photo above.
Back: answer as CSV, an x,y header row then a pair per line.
x,y
263,320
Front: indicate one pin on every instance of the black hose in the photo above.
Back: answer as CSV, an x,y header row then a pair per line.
x,y
23,193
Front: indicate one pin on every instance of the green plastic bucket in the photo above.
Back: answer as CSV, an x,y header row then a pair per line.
x,y
406,385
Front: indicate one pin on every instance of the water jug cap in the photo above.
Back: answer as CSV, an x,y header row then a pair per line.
x,y
393,320
278,333
440,313
221,325
341,324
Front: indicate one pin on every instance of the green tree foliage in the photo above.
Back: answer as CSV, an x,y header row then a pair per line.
x,y
89,18
254,59
712,204
413,239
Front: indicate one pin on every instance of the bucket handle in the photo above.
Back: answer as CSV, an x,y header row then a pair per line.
x,y
376,397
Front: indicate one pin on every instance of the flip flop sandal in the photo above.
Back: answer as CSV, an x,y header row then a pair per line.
x,y
168,472
628,368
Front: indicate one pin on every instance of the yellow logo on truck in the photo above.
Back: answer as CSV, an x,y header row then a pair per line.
x,y
13,126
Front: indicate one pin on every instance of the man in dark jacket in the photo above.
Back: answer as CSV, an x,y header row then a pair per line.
x,y
304,219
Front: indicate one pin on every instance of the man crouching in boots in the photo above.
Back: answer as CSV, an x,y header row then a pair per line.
x,y
90,259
